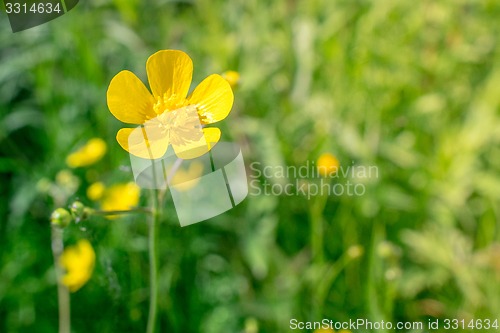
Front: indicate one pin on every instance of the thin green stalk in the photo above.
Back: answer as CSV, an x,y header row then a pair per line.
x,y
316,237
63,299
155,211
118,212
316,218
328,277
63,2
153,264
153,260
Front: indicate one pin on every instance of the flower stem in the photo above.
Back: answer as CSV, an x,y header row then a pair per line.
x,y
157,195
64,5
153,260
153,264
128,211
317,230
62,291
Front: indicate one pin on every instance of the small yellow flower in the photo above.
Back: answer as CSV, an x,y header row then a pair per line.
x,y
327,165
87,155
121,197
232,77
95,191
78,262
167,114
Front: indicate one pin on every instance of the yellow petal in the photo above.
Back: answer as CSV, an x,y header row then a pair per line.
x,y
199,147
213,98
129,100
121,197
95,191
78,261
87,155
137,142
170,73
212,136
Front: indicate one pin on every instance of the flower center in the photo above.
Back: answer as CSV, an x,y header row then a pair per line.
x,y
181,125
168,102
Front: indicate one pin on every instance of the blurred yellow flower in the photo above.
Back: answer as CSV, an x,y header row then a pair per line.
x,y
168,114
232,77
87,155
121,197
186,179
95,191
78,261
327,165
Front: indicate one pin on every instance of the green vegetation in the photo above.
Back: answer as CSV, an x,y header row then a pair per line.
x,y
411,87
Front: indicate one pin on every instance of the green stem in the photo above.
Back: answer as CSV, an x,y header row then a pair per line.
x,y
153,265
157,195
316,218
328,276
128,211
63,2
62,291
153,260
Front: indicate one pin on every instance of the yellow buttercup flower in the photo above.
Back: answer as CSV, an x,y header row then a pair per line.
x,y
87,155
327,165
95,191
168,115
232,77
78,261
121,197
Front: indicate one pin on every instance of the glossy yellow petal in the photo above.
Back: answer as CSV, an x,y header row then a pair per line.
x,y
170,73
129,100
199,147
137,142
212,136
213,98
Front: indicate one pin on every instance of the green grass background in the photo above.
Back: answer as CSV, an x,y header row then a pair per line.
x,y
412,87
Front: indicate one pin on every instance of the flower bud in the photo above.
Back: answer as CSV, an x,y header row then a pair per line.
x,y
60,218
79,211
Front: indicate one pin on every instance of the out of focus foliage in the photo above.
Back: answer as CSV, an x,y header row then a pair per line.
x,y
412,87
